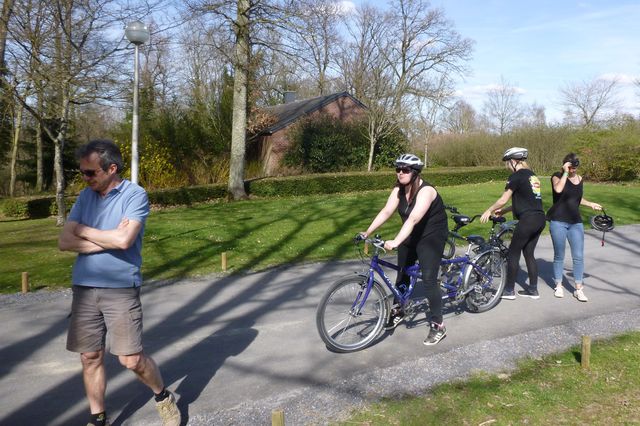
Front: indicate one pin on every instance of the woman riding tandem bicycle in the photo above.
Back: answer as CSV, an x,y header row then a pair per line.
x,y
422,237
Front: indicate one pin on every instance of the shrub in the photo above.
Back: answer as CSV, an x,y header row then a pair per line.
x,y
610,155
29,207
322,144
188,195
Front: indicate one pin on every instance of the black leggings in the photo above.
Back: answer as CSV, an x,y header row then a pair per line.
x,y
525,239
428,252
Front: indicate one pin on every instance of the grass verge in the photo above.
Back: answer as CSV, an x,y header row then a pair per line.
x,y
256,234
554,390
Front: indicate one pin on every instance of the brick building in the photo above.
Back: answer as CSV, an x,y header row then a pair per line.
x,y
272,142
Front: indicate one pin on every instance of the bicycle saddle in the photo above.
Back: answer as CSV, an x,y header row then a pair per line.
x,y
498,219
476,239
461,220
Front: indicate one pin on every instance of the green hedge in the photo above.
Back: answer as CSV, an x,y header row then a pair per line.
x,y
361,181
188,195
29,207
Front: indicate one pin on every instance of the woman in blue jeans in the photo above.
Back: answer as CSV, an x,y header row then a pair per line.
x,y
566,223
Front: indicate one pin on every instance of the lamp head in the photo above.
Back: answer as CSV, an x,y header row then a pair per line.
x,y
137,32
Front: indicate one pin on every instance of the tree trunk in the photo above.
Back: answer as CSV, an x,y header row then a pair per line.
x,y
58,146
14,151
39,160
239,121
7,9
372,145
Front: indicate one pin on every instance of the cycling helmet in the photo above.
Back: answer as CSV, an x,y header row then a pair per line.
x,y
602,223
409,160
515,153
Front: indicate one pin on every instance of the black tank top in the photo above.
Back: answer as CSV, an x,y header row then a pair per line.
x,y
434,221
566,205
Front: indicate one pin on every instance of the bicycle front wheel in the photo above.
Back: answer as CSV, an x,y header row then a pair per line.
x,y
486,280
347,321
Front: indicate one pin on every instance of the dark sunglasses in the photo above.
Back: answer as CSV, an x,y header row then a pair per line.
x,y
405,170
89,173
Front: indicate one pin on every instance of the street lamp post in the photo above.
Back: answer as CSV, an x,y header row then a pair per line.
x,y
137,33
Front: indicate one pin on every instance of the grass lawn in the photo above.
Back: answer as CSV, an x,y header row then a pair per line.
x,y
256,234
554,390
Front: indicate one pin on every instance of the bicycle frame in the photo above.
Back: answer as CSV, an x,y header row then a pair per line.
x,y
450,288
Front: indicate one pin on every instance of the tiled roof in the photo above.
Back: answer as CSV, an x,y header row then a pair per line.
x,y
290,112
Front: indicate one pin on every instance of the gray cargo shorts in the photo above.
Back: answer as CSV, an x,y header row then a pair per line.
x,y
100,312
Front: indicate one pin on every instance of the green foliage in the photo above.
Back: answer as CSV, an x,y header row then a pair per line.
x,y
547,146
611,154
361,181
388,148
29,207
323,144
187,196
182,145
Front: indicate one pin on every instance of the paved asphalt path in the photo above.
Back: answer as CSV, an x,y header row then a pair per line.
x,y
236,348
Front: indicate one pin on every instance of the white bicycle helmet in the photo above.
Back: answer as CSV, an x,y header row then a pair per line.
x,y
515,153
409,160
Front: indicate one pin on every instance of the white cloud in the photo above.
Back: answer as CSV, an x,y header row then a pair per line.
x,y
346,7
620,78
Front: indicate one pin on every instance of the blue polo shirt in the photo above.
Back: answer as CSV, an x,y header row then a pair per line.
x,y
110,268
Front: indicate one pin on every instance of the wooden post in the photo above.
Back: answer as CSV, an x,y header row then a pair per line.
x,y
277,417
585,357
25,282
366,249
224,261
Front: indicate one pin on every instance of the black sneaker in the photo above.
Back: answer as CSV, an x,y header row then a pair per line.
x,y
437,332
509,295
532,294
98,420
394,320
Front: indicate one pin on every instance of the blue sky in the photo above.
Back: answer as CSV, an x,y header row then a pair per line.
x,y
540,46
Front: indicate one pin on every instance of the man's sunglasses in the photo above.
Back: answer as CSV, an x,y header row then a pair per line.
x,y
89,173
405,170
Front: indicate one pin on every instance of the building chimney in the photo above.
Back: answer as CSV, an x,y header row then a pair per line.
x,y
289,96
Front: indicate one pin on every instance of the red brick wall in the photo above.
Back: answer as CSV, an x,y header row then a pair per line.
x,y
275,146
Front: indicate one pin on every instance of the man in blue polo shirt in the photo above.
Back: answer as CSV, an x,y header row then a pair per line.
x,y
105,227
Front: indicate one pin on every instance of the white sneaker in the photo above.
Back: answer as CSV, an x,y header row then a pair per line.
x,y
559,292
579,294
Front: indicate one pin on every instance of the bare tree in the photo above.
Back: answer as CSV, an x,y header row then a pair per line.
x,y
460,118
75,61
7,10
586,101
6,104
316,38
534,116
399,57
248,21
502,110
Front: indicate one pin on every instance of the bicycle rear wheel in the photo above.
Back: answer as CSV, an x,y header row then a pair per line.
x,y
505,235
344,323
485,290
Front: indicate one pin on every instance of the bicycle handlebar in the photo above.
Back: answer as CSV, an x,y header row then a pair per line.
x,y
376,241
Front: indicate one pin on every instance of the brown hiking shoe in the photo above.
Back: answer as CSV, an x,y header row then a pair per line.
x,y
168,410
